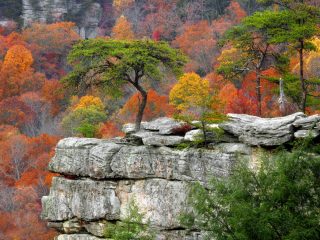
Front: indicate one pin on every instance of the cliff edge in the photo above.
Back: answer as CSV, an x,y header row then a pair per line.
x,y
98,178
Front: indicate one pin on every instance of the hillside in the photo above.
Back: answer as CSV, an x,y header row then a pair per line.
x,y
83,69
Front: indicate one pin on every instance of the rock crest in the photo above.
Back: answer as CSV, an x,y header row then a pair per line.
x,y
100,177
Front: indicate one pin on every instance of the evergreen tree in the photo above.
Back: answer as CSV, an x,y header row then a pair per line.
x,y
300,24
279,200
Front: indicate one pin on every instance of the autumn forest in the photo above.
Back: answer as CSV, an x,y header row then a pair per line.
x,y
190,58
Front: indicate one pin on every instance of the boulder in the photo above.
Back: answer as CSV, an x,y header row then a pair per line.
x,y
258,131
164,125
82,199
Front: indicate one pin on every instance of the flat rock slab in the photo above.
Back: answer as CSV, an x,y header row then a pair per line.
x,y
117,161
164,125
159,141
307,123
258,131
82,199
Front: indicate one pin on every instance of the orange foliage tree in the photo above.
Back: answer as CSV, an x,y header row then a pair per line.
x,y
17,75
199,40
123,29
50,43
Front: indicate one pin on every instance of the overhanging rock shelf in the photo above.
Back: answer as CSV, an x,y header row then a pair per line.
x,y
99,177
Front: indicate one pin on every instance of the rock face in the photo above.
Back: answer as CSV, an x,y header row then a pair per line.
x,y
87,14
100,177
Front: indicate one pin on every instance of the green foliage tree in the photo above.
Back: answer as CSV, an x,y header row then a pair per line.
x,y
279,200
300,24
256,49
131,227
109,64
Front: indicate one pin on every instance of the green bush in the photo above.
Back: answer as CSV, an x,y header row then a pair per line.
x,y
131,227
280,200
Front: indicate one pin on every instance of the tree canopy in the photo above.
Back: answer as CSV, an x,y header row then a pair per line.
x,y
109,64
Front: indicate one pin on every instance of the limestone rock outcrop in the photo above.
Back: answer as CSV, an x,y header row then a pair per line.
x,y
98,178
86,14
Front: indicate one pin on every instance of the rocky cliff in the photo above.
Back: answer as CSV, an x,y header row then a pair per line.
x,y
99,177
89,15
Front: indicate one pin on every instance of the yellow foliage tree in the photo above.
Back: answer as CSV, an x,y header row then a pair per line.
x,y
190,92
192,97
89,101
122,29
18,59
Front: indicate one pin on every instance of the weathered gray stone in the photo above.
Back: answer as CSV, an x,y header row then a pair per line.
x,y
158,140
45,11
193,135
187,165
110,160
143,134
164,125
160,200
261,131
128,128
238,148
155,175
83,199
134,162
131,127
306,133
77,237
307,122
84,157
96,228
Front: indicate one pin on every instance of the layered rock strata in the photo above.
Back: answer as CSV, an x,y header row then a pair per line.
x,y
98,178
86,14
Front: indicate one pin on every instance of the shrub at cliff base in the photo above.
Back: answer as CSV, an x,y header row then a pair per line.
x,y
131,227
281,200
